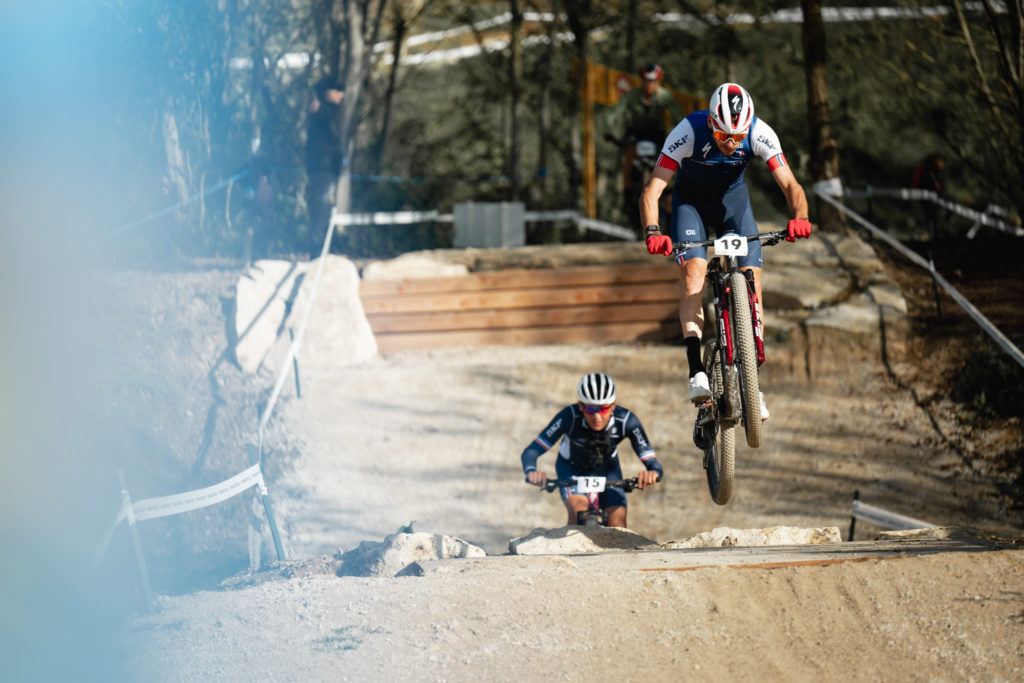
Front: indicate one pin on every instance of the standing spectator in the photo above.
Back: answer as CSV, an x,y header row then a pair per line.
x,y
928,176
324,156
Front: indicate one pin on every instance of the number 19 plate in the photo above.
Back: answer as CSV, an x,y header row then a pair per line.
x,y
731,245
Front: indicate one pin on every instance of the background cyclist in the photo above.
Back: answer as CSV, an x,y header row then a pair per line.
x,y
593,428
643,113
708,152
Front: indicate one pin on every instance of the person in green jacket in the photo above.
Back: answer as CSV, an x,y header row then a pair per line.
x,y
642,115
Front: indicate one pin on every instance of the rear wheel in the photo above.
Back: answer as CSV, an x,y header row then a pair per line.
x,y
746,357
720,441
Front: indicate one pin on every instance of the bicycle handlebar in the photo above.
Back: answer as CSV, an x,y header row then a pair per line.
x,y
766,238
625,484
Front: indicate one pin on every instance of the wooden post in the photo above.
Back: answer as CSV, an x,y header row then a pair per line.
x,y
147,590
254,459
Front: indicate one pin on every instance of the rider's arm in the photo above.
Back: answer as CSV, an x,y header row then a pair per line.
x,y
766,145
792,190
558,426
642,446
652,192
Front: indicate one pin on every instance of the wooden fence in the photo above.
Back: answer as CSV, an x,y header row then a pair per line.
x,y
526,306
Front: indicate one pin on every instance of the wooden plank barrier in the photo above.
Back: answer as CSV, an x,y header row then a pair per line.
x,y
618,303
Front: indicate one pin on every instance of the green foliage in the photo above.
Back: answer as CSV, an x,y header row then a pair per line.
x,y
449,131
991,382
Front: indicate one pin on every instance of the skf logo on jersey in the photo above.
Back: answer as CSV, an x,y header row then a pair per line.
x,y
641,442
705,150
553,429
678,143
766,142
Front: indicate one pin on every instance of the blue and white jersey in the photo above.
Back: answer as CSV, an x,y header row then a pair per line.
x,y
700,166
570,423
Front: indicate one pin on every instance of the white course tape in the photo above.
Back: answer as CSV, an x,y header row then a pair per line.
x,y
997,335
606,228
884,518
980,217
393,218
151,508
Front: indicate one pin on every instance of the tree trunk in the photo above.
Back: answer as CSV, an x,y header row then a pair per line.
x,y
515,77
400,29
824,152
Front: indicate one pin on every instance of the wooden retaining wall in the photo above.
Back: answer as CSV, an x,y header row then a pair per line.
x,y
526,306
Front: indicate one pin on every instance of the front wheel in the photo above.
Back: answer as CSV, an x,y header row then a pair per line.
x,y
746,357
719,431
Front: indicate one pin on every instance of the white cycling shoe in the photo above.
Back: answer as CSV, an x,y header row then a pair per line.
x,y
700,390
764,409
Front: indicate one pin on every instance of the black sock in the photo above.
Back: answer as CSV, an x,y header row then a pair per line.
x,y
693,355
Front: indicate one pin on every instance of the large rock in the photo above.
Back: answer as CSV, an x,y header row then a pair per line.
x,y
337,331
262,297
723,537
398,551
575,540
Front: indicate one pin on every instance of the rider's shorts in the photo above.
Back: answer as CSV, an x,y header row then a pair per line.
x,y
691,217
611,497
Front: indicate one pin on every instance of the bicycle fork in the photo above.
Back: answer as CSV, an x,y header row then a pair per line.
x,y
755,317
722,306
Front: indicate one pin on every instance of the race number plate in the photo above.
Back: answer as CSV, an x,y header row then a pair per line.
x,y
731,245
646,148
590,484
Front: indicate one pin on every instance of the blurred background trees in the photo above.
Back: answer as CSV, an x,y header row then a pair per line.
x,y
205,106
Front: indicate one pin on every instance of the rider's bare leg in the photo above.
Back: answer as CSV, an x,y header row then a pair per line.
x,y
574,504
616,516
691,289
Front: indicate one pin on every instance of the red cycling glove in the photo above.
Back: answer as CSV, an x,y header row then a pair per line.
x,y
659,244
798,227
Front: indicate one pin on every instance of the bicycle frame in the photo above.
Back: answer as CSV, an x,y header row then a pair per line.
x,y
716,275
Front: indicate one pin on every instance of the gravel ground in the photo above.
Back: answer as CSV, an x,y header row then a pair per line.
x,y
433,438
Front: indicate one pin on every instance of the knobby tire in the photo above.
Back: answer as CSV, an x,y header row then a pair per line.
x,y
746,357
720,453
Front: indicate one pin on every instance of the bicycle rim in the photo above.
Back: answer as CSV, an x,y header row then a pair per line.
x,y
746,358
720,453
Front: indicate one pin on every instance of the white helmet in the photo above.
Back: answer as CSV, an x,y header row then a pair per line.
x,y
731,109
596,389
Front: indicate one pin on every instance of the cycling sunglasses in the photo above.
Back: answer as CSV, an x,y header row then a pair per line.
x,y
590,410
722,136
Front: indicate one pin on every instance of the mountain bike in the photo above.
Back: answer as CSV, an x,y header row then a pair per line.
x,y
591,487
731,360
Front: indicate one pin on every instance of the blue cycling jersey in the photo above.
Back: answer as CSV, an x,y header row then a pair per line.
x,y
569,422
709,190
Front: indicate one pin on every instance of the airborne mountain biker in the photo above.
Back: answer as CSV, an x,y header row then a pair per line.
x,y
709,151
593,428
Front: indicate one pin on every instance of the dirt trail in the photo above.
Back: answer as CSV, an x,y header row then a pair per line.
x,y
434,438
